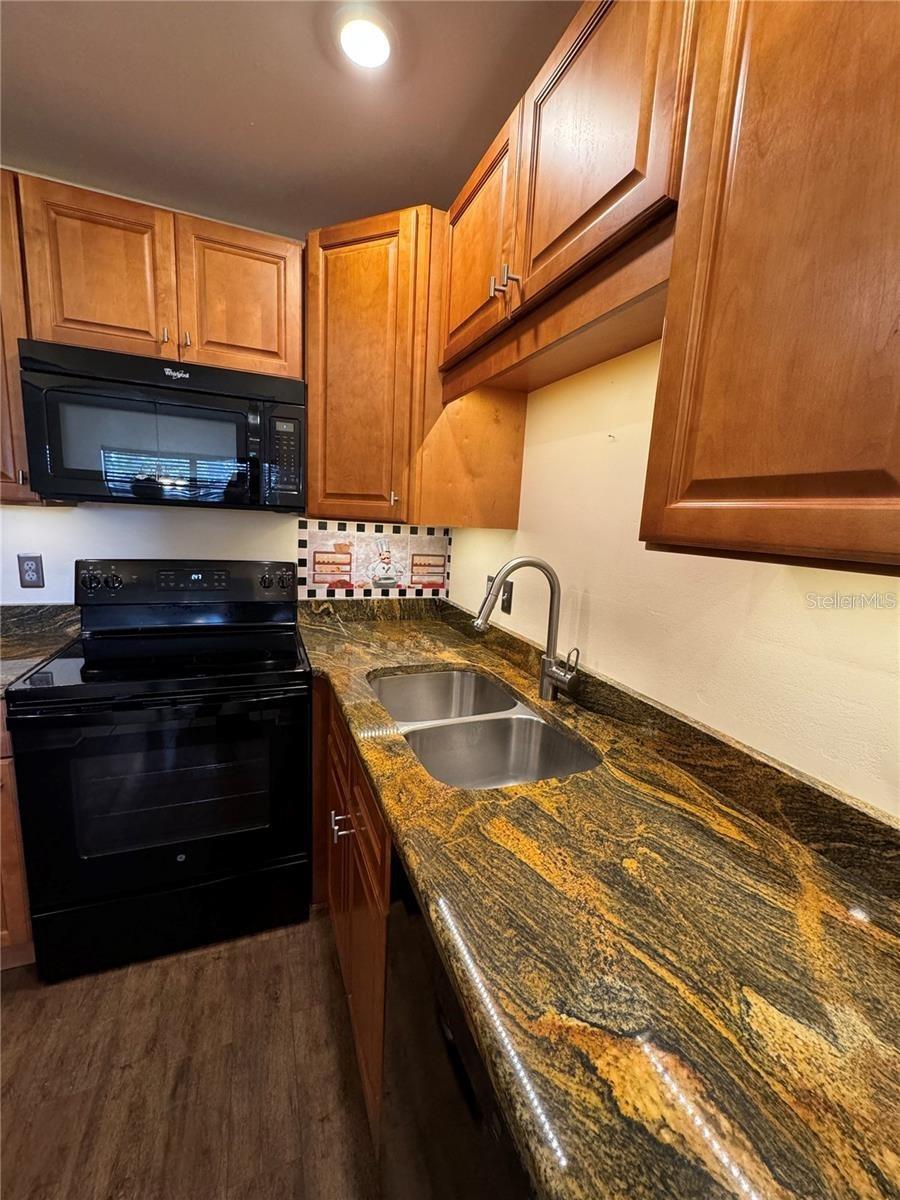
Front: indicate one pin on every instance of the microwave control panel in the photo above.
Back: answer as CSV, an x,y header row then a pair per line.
x,y
284,463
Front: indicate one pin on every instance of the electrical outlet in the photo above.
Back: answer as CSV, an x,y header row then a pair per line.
x,y
31,570
506,597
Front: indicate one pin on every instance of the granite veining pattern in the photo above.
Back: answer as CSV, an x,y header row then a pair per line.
x,y
29,633
677,992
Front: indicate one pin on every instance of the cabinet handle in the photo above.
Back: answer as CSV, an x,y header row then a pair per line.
x,y
494,287
165,336
507,277
187,337
335,832
22,477
395,499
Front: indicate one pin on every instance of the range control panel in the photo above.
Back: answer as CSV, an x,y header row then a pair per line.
x,y
164,581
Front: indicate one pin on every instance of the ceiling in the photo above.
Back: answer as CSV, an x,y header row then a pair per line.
x,y
246,110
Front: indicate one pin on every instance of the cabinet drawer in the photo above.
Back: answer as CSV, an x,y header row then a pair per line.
x,y
372,834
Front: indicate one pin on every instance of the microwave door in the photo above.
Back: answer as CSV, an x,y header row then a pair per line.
x,y
129,448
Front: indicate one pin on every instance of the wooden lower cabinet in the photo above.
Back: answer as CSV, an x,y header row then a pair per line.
x,y
15,927
337,818
358,889
366,986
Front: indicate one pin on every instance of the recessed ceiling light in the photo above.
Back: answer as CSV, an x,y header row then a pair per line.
x,y
365,43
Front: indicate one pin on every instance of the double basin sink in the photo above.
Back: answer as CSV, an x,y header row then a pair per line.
x,y
469,732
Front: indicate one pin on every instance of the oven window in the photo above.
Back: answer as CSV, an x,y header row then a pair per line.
x,y
172,785
148,451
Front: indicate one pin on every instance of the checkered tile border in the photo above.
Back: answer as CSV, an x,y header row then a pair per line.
x,y
357,554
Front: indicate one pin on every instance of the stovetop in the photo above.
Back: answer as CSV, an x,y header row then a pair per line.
x,y
219,627
71,676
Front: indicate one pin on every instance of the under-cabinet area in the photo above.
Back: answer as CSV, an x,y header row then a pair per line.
x,y
450,525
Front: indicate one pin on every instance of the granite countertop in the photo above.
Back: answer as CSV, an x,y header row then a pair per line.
x,y
678,993
31,633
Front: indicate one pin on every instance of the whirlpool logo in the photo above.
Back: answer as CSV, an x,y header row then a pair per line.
x,y
172,374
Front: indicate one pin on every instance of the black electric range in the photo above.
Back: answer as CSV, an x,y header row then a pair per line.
x,y
163,763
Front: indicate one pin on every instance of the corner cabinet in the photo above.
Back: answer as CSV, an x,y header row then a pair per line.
x,y
777,411
101,270
366,345
382,446
13,325
239,297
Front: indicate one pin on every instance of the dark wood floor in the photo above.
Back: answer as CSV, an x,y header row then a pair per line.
x,y
223,1074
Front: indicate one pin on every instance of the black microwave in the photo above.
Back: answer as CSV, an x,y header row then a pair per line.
x,y
121,428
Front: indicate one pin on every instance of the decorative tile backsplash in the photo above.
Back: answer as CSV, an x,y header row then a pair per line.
x,y
355,559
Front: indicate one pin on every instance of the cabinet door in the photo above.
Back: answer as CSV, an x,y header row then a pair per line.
x,y
338,860
778,404
15,929
13,325
100,270
481,229
600,144
366,349
368,950
239,298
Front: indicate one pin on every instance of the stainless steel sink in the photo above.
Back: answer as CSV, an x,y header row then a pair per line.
x,y
497,753
469,732
440,695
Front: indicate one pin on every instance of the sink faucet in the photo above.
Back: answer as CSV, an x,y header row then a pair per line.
x,y
555,676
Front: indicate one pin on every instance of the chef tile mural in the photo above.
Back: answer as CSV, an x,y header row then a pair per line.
x,y
353,559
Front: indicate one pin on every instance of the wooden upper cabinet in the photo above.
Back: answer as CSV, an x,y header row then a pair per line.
x,y
365,357
239,298
13,325
777,421
600,142
101,270
481,231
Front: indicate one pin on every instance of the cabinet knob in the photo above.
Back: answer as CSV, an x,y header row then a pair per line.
x,y
494,287
165,336
507,277
22,477
187,337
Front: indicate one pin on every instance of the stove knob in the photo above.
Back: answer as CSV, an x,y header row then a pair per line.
x,y
90,581
266,581
113,582
284,581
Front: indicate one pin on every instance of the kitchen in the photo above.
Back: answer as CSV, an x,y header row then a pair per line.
x,y
451,661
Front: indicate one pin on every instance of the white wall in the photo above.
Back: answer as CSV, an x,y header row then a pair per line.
x,y
105,530
732,644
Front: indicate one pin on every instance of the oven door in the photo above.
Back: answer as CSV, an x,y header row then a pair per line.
x,y
92,440
121,799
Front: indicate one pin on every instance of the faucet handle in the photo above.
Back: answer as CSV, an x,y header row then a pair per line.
x,y
572,663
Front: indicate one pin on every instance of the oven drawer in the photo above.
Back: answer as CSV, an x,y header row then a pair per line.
x,y
117,800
